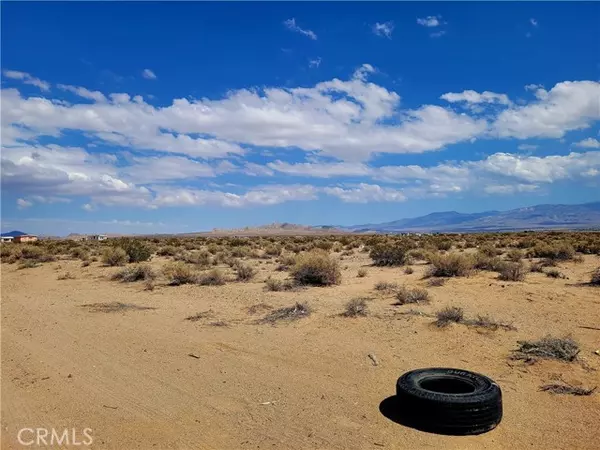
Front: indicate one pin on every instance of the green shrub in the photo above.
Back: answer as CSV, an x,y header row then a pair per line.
x,y
167,250
316,268
396,254
114,256
561,251
136,249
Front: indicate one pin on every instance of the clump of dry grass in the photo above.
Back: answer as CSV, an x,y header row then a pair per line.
x,y
285,262
28,264
386,286
406,295
245,272
290,313
275,285
436,282
213,277
259,307
114,256
489,323
566,389
199,316
448,315
595,280
514,255
563,349
554,273
451,265
356,307
511,271
178,273
361,273
409,270
134,273
316,268
66,276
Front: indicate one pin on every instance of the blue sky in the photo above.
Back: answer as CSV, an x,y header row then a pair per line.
x,y
156,117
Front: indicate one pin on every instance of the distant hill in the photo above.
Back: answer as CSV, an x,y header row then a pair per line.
x,y
538,217
13,233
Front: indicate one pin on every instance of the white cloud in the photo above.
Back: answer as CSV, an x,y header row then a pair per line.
x,y
509,188
315,62
384,29
430,21
588,143
527,147
437,34
97,96
364,193
156,169
23,204
88,207
27,79
570,105
320,169
476,97
291,25
149,74
533,22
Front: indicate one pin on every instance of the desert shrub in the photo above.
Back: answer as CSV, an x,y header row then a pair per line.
x,y
448,315
136,272
114,256
561,251
167,250
136,249
489,250
35,253
178,273
356,307
85,263
554,273
361,273
514,255
65,276
484,262
80,253
564,349
436,282
406,295
316,268
386,286
451,265
213,277
512,272
409,270
28,264
489,323
285,262
290,313
444,245
241,252
595,280
578,259
390,254
537,267
324,245
273,284
199,258
273,250
244,272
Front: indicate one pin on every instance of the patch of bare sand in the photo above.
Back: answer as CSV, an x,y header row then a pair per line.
x,y
127,374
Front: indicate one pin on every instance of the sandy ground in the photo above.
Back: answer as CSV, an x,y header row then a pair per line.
x,y
308,384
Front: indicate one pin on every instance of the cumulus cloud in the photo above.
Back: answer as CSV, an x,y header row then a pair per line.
x,y
588,143
97,96
527,147
430,21
365,193
473,97
27,79
149,74
23,204
384,29
290,24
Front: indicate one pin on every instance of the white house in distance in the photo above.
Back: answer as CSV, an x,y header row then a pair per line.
x,y
6,238
97,237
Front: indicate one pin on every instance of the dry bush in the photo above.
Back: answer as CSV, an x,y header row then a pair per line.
x,y
356,307
512,272
273,284
436,282
167,250
409,270
595,280
66,276
85,263
560,251
114,256
290,313
564,349
386,286
488,323
80,253
285,262
245,272
396,254
178,273
115,307
136,249
406,295
444,245
451,265
448,315
136,272
514,255
489,250
484,262
537,267
149,285
566,389
213,277
316,268
28,264
34,253
362,273
199,316
554,273
198,258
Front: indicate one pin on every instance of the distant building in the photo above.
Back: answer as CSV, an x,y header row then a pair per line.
x,y
97,237
25,238
6,238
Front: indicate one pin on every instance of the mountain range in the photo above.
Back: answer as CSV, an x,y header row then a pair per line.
x,y
539,217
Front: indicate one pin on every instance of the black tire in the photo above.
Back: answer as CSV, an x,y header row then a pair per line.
x,y
449,401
